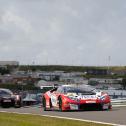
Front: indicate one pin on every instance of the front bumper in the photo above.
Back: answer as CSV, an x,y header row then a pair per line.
x,y
89,106
7,102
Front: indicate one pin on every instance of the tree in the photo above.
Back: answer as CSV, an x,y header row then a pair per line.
x,y
4,71
92,82
124,83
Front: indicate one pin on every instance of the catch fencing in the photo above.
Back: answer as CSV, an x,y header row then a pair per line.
x,y
118,102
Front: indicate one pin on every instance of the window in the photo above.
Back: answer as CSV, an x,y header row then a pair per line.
x,y
60,90
5,93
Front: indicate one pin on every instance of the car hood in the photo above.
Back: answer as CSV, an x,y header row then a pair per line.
x,y
82,96
7,97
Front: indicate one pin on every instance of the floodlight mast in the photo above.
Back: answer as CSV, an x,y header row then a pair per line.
x,y
109,59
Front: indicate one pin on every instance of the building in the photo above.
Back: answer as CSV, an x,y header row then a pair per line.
x,y
97,71
104,83
6,79
73,80
10,63
42,83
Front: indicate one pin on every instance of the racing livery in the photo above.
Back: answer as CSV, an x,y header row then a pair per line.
x,y
8,98
71,97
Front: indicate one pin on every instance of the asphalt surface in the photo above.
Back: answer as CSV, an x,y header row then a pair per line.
x,y
116,115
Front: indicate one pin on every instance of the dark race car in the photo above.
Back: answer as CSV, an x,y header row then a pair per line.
x,y
32,99
68,97
8,98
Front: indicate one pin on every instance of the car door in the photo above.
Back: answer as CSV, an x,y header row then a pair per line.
x,y
55,96
54,99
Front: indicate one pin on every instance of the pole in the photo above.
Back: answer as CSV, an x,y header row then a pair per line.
x,y
109,58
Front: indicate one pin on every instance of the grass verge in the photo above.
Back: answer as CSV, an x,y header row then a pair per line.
x,y
11,119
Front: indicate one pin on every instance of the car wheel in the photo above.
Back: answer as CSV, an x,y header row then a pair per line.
x,y
50,103
104,109
5,105
44,104
18,104
110,107
101,108
60,104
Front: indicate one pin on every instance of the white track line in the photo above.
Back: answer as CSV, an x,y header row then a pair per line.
x,y
118,105
59,117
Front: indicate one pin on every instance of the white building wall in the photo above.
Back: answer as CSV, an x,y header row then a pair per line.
x,y
4,63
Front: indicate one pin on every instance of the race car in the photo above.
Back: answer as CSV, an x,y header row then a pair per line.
x,y
75,97
8,98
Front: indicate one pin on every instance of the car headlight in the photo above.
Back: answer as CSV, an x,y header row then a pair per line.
x,y
102,98
73,98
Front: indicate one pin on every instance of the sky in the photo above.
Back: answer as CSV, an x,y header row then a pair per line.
x,y
63,32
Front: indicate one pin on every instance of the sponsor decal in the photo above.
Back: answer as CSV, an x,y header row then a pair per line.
x,y
90,101
84,97
6,100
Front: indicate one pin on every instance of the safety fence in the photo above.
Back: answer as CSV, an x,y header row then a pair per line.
x,y
118,102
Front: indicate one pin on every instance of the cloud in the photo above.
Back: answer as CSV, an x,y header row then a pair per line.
x,y
66,32
10,18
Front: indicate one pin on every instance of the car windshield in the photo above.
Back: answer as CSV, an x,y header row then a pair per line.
x,y
82,90
5,92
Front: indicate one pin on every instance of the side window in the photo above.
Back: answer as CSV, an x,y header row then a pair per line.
x,y
60,90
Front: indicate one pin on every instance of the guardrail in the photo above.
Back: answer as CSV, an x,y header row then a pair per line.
x,y
121,100
118,102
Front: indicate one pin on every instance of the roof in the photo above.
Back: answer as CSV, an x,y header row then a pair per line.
x,y
7,90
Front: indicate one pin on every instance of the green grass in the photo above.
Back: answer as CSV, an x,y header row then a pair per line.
x,y
11,119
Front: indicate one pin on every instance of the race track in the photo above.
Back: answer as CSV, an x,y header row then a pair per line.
x,y
116,115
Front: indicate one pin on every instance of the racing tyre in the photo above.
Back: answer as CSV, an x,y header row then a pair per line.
x,y
44,104
50,103
105,109
18,104
60,104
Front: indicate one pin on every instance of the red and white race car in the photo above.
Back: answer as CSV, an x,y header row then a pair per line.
x,y
68,97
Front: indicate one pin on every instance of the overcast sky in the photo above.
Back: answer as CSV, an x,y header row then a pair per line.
x,y
66,32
